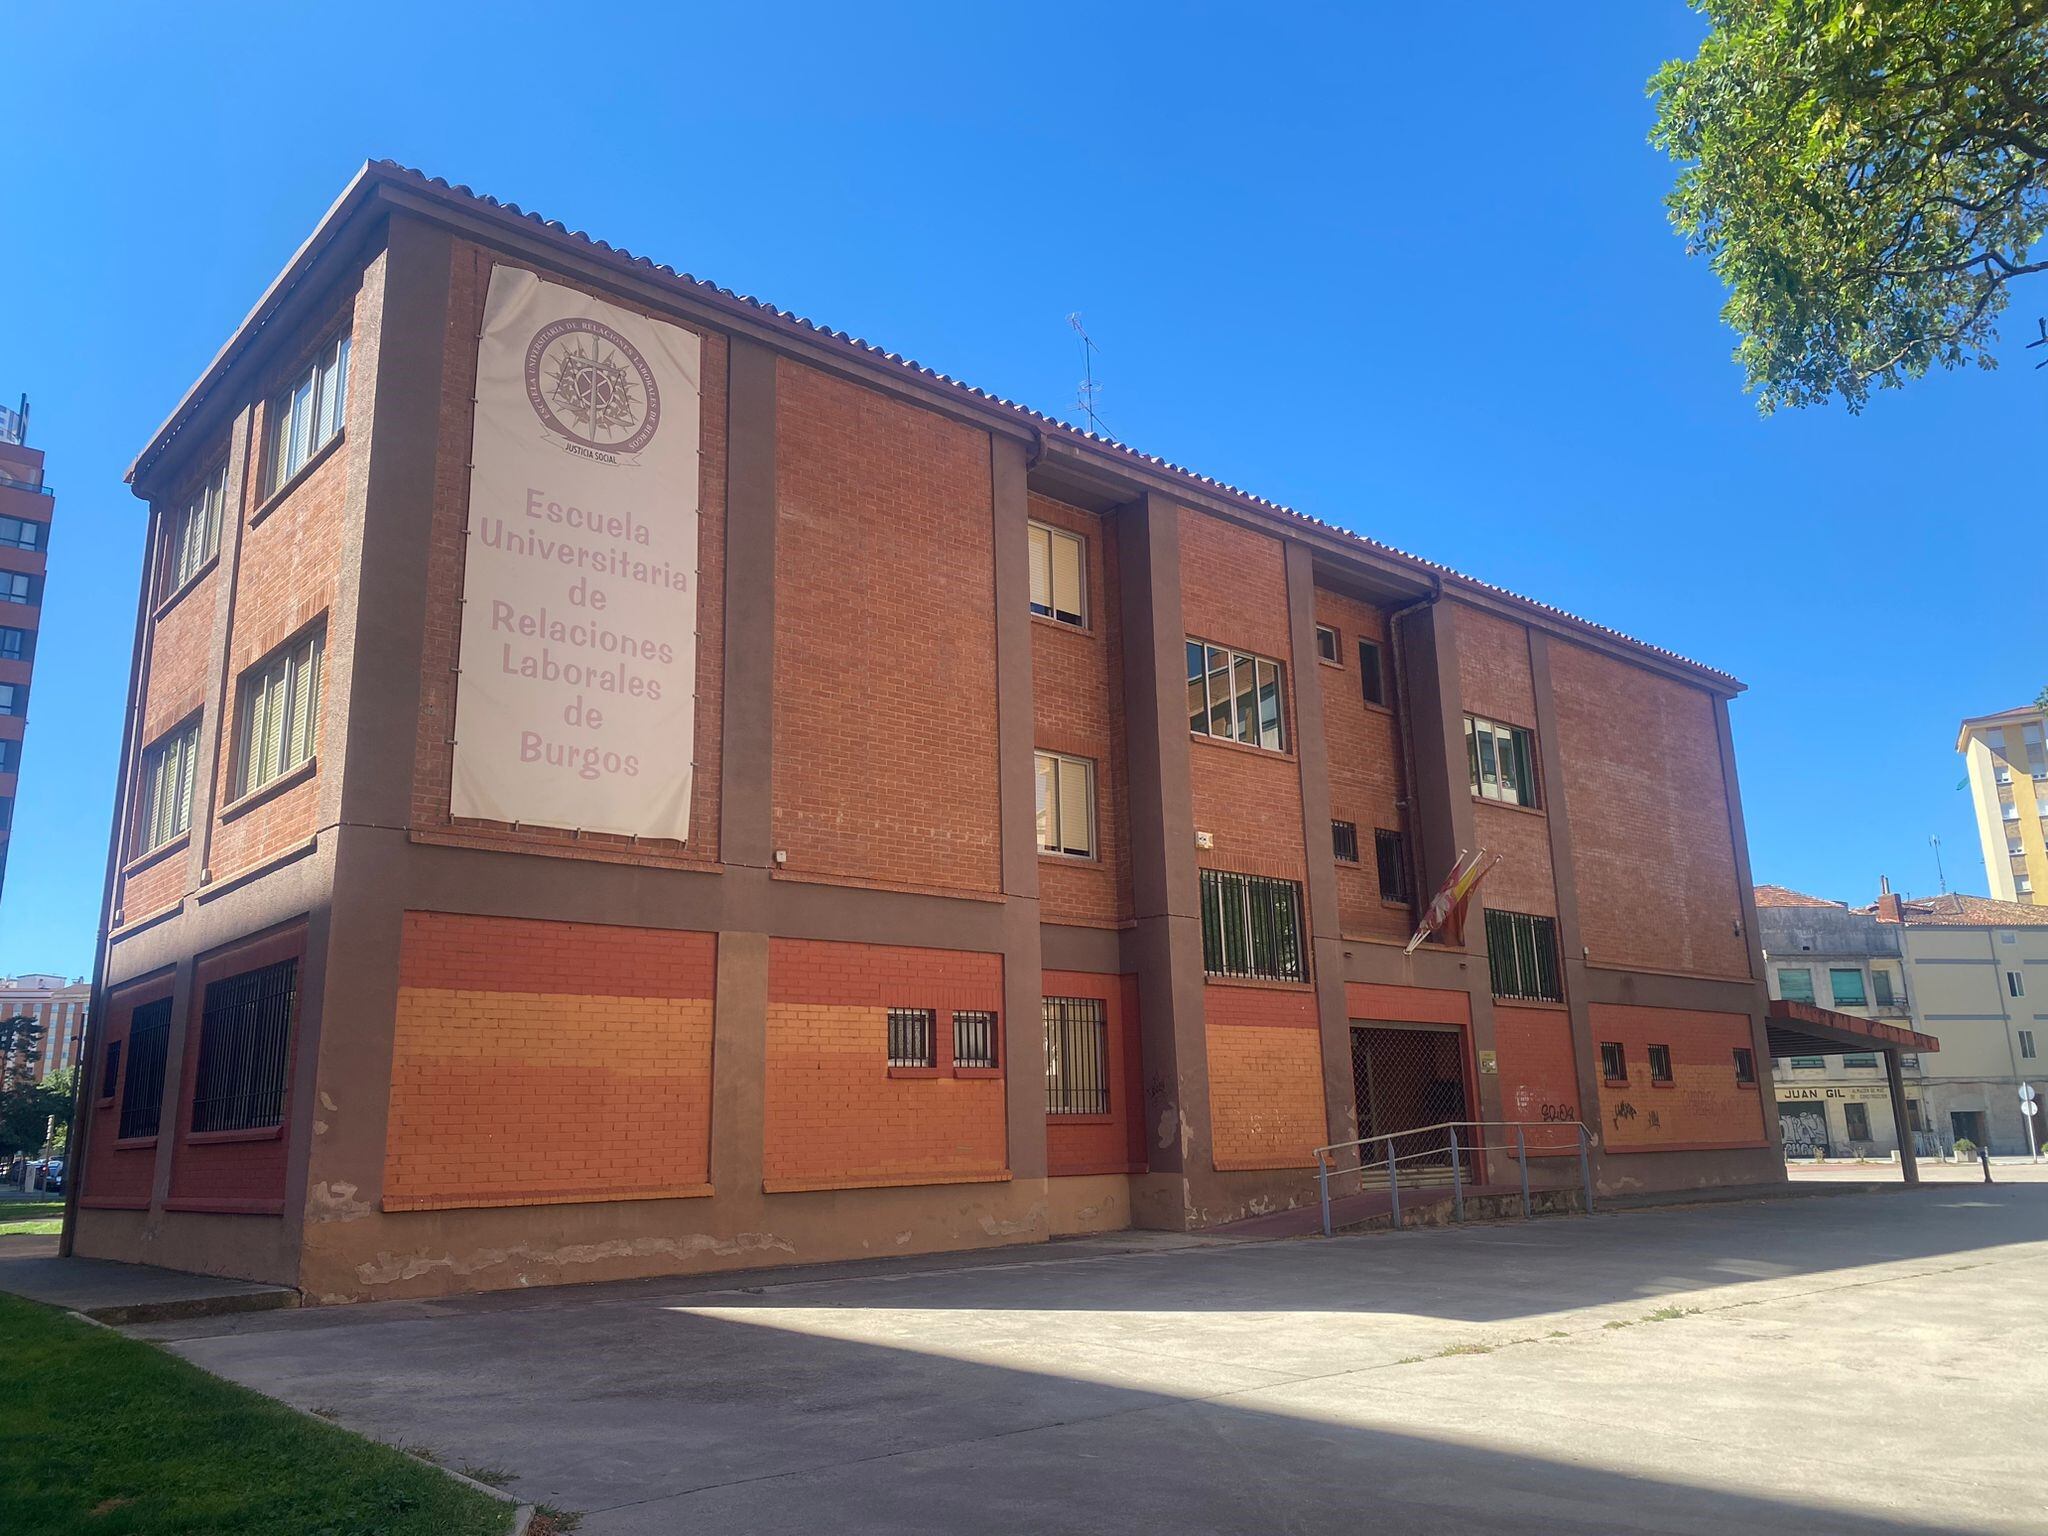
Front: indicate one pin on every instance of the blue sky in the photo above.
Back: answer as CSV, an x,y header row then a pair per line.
x,y
1403,268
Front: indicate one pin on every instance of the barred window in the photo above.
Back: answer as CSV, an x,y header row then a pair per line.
x,y
911,1037
1251,927
110,1069
1613,1061
163,801
1390,851
1235,697
142,1095
244,1042
280,713
1344,841
1076,1056
974,1038
307,416
1660,1063
192,533
1745,1064
1521,951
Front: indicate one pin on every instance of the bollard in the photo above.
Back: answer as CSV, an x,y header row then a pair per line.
x,y
1984,1158
1323,1179
1457,1180
1522,1157
1394,1182
1585,1170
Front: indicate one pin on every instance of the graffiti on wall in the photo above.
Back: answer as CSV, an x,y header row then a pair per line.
x,y
1805,1128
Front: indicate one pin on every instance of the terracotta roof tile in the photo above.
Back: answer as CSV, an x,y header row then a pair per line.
x,y
1956,910
1784,896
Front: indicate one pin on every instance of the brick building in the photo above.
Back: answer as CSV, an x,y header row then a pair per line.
x,y
58,1006
26,507
1035,855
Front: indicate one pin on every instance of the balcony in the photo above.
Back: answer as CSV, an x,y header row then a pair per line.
x,y
34,487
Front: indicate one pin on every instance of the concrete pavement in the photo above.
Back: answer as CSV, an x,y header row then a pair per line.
x,y
1863,1363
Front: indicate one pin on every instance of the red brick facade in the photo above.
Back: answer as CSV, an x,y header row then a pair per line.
x,y
1112,1142
1366,769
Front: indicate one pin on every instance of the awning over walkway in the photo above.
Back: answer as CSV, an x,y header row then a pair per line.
x,y
1803,1029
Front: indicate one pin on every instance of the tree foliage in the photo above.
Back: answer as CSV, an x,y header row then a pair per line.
x,y
1868,177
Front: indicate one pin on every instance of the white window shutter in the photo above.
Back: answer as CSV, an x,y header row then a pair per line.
x,y
1041,568
1077,811
1066,576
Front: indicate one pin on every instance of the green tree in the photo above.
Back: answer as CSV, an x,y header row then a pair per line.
x,y
1868,177
21,1037
33,1115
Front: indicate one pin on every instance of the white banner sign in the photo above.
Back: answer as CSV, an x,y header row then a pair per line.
x,y
576,701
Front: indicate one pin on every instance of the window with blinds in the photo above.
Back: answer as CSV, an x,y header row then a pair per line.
x,y
1066,805
163,800
307,416
192,533
280,714
1251,927
1521,951
1059,575
1076,1056
244,1042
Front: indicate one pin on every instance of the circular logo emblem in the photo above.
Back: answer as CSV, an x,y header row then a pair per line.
x,y
591,385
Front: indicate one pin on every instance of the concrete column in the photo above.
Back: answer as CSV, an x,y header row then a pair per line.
x,y
1745,903
1163,948
1023,959
1326,935
1895,1082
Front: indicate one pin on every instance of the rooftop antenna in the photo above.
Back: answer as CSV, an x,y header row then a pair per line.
x,y
1086,391
1934,842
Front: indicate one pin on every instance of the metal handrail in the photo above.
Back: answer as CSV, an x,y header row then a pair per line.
x,y
1393,1160
39,487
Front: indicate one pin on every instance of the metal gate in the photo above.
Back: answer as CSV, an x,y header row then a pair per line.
x,y
1405,1076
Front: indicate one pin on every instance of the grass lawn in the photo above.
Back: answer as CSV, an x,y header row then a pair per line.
x,y
30,1216
104,1434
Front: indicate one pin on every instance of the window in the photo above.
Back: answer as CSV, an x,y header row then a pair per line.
x,y
10,755
307,417
13,698
110,1069
1856,1121
1809,1063
1329,646
1059,565
1235,696
1251,927
1881,989
1372,682
17,644
912,1037
2015,984
1503,761
1613,1061
1076,1056
280,714
1066,805
2027,1044
1521,951
163,802
974,1038
1860,1059
1390,850
142,1096
1745,1064
192,533
1344,841
1660,1063
244,1041
1846,987
20,587
20,533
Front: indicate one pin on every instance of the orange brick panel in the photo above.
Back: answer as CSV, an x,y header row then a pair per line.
x,y
1703,1106
1265,1095
1652,846
1539,1078
1234,586
885,715
455,952
1493,667
180,645
1365,767
1522,881
1367,1002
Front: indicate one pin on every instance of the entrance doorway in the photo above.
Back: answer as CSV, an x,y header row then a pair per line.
x,y
1968,1125
1405,1077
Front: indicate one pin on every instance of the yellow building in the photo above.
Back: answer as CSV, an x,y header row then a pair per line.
x,y
2008,767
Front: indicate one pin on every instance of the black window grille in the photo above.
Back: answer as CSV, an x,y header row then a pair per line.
x,y
911,1035
1522,952
974,1038
1344,840
1745,1065
1613,1061
244,1041
110,1069
1076,1056
1390,850
1251,927
142,1096
1660,1063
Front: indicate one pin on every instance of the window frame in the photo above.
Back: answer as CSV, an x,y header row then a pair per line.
x,y
2026,1045
1050,609
1613,1062
1660,1066
2015,984
1390,859
184,738
259,1079
1852,1111
1344,834
1270,912
27,594
908,1020
1333,654
1483,738
37,540
1058,848
181,557
1202,658
1519,946
313,641
140,1119
1835,975
1745,1066
1372,673
17,644
1882,993
324,383
988,1022
1811,996
1066,1020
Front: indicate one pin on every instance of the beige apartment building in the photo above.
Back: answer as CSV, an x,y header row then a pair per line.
x,y
2008,774
59,1005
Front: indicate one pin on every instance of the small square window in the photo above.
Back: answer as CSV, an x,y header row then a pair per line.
x,y
1390,851
1745,1065
1327,645
912,1037
1613,1061
1344,841
1372,682
1660,1063
974,1038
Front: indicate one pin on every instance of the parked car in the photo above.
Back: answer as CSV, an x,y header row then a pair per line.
x,y
53,1176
